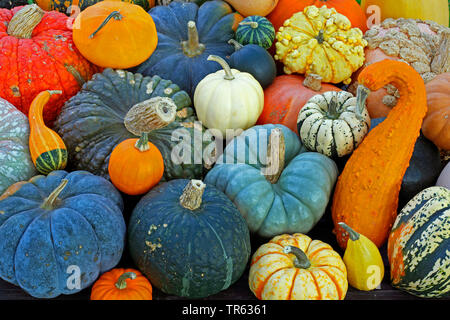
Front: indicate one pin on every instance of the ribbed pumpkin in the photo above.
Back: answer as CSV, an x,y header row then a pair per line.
x,y
189,239
57,226
418,246
16,164
256,30
366,194
320,41
38,54
65,6
295,267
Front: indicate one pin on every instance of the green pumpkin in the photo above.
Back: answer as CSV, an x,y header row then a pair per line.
x,y
15,159
256,30
188,239
418,245
92,123
288,200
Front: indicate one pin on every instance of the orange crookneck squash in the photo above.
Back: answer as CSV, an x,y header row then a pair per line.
x,y
366,194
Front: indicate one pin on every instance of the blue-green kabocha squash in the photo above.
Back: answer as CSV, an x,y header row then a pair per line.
x,y
278,187
59,232
189,239
256,30
114,106
187,35
418,245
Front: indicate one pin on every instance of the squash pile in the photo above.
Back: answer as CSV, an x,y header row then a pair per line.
x,y
154,147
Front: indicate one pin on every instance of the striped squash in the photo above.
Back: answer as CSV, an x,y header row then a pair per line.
x,y
255,30
418,245
47,149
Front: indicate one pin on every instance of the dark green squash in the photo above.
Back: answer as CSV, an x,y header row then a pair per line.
x,y
8,4
188,239
256,30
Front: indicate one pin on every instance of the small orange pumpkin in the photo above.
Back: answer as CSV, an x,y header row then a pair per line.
x,y
122,284
135,165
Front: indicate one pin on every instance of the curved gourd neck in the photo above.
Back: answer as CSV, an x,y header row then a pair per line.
x,y
113,15
301,261
353,235
226,68
36,111
52,200
237,45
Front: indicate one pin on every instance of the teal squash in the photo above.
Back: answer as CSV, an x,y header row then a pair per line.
x,y
277,186
15,159
256,30
57,225
188,239
418,245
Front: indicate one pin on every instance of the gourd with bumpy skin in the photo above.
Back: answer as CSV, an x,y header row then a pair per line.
x,y
189,239
320,41
366,194
53,223
256,30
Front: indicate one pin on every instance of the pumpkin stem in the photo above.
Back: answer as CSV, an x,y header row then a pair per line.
x,y
320,37
115,14
237,45
253,24
275,156
192,195
352,233
225,66
362,93
122,283
192,47
142,144
333,108
24,21
301,260
50,201
313,81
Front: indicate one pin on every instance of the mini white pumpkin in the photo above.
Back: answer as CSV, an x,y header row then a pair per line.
x,y
228,99
334,123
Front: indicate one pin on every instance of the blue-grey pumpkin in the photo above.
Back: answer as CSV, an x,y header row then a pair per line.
x,y
59,233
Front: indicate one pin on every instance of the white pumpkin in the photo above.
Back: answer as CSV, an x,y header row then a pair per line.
x,y
334,123
228,99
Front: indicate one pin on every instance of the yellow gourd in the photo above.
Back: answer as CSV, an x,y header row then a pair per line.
x,y
365,268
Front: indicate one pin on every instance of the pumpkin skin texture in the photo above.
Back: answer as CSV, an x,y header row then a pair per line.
x,y
285,97
80,223
254,7
366,194
256,30
187,35
92,122
294,202
444,178
193,251
277,274
65,6
112,34
46,59
418,245
305,46
122,284
16,164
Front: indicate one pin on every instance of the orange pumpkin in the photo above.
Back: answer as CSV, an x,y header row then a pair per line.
x,y
366,194
122,284
253,7
115,34
135,165
295,267
287,95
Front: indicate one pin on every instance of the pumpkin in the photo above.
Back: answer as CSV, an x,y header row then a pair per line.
x,y
38,54
436,10
334,123
253,7
320,41
16,164
67,6
424,45
349,8
366,194
113,107
295,267
48,151
189,239
57,226
8,4
187,35
365,267
135,165
444,177
255,60
255,30
418,245
115,34
228,99
287,94
276,185
122,284
436,125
